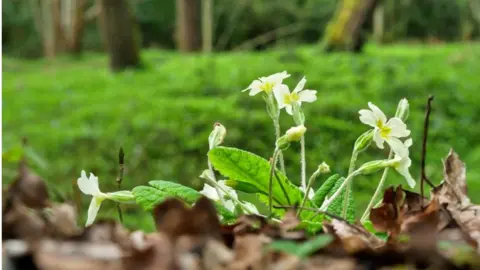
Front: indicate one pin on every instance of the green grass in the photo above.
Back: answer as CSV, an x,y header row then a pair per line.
x,y
76,114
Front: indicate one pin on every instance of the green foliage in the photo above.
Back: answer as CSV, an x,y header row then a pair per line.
x,y
325,189
336,207
302,250
253,170
149,197
76,114
187,194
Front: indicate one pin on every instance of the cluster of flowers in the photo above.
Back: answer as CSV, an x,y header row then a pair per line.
x,y
278,96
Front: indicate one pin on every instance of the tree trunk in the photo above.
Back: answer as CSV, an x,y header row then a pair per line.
x,y
379,23
187,32
77,24
207,25
344,30
120,35
47,29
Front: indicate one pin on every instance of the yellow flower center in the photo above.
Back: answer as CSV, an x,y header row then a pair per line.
x,y
267,87
290,98
384,130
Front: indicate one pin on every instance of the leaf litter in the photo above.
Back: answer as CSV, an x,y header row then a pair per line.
x,y
407,231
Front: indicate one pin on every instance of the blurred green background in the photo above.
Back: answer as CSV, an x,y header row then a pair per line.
x,y
76,112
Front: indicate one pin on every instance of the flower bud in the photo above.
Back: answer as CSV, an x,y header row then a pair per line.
x,y
283,143
217,135
295,133
363,142
403,109
324,168
376,165
123,196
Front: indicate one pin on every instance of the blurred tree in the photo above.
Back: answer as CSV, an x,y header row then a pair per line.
x,y
120,34
207,25
344,30
379,22
187,25
60,25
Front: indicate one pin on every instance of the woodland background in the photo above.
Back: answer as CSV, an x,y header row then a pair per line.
x,y
82,78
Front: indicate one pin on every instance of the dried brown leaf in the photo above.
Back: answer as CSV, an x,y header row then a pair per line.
x,y
174,219
29,188
353,237
453,194
388,217
248,251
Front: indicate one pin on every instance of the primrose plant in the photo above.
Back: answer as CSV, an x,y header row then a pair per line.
x,y
245,172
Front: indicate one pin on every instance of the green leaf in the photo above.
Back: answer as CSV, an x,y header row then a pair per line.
x,y
302,250
325,189
176,190
337,205
254,170
312,227
148,197
314,244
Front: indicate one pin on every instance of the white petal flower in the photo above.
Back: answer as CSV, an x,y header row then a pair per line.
x,y
230,191
404,163
385,131
266,84
286,100
230,205
209,192
89,186
93,209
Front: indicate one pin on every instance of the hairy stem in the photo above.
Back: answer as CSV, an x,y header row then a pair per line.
x,y
270,180
277,136
121,156
210,167
348,188
237,201
307,191
303,163
377,191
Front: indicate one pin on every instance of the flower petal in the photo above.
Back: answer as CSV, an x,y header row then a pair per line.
x,y
300,85
230,205
86,185
379,115
93,210
277,78
251,207
398,147
230,190
280,91
403,170
209,192
408,143
308,95
367,117
95,185
377,138
289,109
399,129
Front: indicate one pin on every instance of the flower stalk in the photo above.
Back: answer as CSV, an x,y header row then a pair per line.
x,y
377,191
270,180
